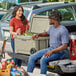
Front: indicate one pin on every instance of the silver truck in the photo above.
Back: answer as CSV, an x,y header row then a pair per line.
x,y
38,16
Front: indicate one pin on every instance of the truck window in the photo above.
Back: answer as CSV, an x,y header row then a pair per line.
x,y
26,13
75,11
8,15
67,13
44,13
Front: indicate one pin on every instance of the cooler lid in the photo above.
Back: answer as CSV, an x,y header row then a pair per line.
x,y
39,24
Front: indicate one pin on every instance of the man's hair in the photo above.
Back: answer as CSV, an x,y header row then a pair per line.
x,y
55,15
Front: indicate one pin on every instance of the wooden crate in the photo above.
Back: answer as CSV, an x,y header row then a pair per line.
x,y
5,73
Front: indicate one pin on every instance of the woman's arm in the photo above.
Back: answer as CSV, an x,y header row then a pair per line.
x,y
11,31
28,23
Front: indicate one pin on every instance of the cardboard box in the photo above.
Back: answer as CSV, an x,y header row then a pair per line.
x,y
5,73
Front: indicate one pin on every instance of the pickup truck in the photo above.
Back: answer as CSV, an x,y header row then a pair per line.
x,y
38,16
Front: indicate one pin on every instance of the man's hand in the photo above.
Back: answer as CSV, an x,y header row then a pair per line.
x,y
40,35
35,36
47,54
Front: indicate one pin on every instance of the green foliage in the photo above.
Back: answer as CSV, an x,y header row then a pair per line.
x,y
53,0
24,0
61,0
6,5
28,0
72,0
3,5
0,4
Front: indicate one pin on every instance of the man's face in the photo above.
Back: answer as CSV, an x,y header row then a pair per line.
x,y
51,21
54,22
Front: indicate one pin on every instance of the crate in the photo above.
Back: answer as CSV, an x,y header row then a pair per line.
x,y
25,44
5,73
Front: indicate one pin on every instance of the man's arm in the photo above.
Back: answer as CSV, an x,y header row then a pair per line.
x,y
45,34
60,48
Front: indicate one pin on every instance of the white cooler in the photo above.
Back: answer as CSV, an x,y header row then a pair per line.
x,y
25,44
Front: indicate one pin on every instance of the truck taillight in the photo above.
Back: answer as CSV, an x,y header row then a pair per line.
x,y
73,46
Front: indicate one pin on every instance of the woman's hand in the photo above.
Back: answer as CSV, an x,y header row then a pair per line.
x,y
35,36
18,31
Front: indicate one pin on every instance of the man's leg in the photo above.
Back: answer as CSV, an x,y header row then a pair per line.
x,y
44,61
34,57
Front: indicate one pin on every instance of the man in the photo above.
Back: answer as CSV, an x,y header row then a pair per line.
x,y
59,39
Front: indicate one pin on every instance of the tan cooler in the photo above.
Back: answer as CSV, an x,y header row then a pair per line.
x,y
25,44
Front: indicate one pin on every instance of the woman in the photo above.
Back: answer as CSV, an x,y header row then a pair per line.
x,y
17,25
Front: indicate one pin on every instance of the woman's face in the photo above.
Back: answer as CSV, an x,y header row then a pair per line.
x,y
19,12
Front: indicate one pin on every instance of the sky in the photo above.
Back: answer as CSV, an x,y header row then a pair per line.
x,y
11,1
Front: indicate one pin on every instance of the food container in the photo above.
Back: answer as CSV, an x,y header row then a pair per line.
x,y
25,44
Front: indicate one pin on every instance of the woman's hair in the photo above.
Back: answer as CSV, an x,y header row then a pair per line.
x,y
22,17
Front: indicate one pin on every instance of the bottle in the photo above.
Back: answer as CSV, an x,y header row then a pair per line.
x,y
12,63
9,66
8,61
4,64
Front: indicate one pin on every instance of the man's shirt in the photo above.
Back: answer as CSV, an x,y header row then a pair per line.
x,y
58,36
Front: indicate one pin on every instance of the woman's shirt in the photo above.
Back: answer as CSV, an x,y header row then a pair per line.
x,y
17,23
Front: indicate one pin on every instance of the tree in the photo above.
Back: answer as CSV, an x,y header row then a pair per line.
x,y
72,0
53,0
24,0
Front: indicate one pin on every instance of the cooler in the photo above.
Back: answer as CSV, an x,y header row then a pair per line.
x,y
73,45
25,44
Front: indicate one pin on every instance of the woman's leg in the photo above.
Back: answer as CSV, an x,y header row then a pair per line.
x,y
13,46
18,62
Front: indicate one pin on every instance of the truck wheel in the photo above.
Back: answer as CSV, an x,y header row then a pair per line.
x,y
58,70
33,50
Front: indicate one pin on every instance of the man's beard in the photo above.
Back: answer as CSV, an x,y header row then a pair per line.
x,y
51,23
